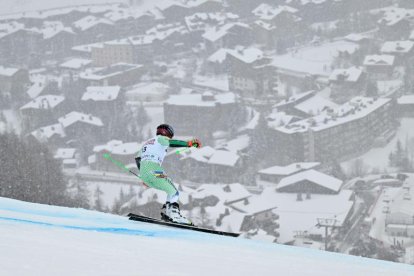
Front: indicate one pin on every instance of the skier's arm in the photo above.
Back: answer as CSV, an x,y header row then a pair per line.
x,y
165,141
191,143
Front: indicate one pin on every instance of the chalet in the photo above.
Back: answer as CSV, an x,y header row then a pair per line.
x,y
97,161
198,23
57,39
406,105
309,181
395,24
42,111
219,163
267,28
173,10
402,50
208,6
13,82
399,219
228,36
379,67
122,74
170,38
21,45
104,101
273,175
77,125
75,65
259,215
191,111
54,135
147,92
224,59
67,157
91,29
347,83
211,194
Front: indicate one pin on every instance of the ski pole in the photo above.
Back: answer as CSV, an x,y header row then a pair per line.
x,y
118,164
182,150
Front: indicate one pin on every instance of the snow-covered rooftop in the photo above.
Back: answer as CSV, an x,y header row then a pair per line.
x,y
397,47
315,105
268,12
225,192
199,100
314,176
163,31
148,88
393,15
277,119
44,102
126,148
215,33
74,117
90,21
246,55
44,133
406,99
52,28
372,60
8,71
357,108
201,21
76,63
351,74
265,25
101,93
113,70
108,147
289,169
65,153
9,28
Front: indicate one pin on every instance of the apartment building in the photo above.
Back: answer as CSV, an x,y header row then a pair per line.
x,y
347,130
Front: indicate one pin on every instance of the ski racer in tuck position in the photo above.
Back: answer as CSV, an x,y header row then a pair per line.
x,y
149,161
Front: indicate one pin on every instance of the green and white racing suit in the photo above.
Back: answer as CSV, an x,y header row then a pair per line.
x,y
151,156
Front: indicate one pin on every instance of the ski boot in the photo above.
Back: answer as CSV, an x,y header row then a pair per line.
x,y
171,212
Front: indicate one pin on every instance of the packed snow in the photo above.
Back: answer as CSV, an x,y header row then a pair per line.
x,y
49,240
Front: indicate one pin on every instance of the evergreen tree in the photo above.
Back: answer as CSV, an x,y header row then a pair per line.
x,y
98,199
29,172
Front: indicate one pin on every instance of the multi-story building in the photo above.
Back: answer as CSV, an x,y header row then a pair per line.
x,y
191,113
347,130
122,74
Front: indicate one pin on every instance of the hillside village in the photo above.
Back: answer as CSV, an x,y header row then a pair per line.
x,y
297,103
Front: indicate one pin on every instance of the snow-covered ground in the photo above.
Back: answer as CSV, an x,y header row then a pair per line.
x,y
377,158
48,240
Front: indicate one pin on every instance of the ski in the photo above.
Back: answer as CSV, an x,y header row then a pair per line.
x,y
182,226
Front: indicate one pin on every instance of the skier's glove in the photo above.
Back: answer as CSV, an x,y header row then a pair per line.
x,y
194,143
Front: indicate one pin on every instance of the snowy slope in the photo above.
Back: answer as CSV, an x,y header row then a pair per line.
x,y
47,240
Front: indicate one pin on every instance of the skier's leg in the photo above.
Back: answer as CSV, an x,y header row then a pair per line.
x,y
153,175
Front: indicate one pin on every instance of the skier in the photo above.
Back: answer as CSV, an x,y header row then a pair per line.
x,y
149,160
